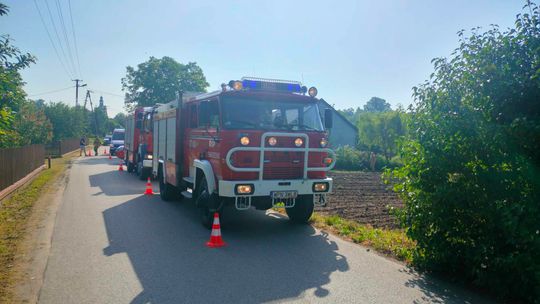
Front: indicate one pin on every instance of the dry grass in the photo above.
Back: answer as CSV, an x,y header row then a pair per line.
x,y
14,214
390,242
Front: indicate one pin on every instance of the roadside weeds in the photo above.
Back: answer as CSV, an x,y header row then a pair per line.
x,y
390,242
14,215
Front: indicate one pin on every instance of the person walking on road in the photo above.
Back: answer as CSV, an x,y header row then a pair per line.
x,y
82,145
97,144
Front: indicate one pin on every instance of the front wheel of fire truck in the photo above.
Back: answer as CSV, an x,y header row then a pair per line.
x,y
166,190
142,172
206,205
130,166
302,210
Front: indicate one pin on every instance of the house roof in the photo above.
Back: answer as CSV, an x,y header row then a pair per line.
x,y
339,114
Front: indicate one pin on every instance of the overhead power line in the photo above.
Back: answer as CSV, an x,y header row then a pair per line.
x,y
107,93
66,38
50,92
52,41
71,68
74,37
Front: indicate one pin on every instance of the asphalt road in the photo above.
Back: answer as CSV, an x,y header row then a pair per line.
x,y
111,244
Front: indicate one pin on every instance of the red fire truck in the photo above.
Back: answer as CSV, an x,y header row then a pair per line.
x,y
138,142
255,143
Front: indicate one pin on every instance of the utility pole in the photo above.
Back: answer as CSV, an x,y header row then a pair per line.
x,y
89,98
77,86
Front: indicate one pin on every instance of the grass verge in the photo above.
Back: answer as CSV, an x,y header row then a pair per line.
x,y
14,214
390,242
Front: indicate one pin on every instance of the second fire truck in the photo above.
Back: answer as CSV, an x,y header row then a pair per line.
x,y
138,142
256,143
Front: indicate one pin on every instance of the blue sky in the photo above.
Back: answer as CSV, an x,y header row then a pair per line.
x,y
349,50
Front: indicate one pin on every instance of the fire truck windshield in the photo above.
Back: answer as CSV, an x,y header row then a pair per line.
x,y
241,113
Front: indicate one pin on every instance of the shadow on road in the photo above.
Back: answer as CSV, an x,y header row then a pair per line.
x,y
266,257
114,182
436,290
100,160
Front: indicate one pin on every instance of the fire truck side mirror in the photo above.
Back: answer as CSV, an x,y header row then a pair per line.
x,y
328,119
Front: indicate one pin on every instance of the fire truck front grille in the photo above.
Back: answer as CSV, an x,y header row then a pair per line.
x,y
272,172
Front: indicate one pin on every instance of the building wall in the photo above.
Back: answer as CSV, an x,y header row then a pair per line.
x,y
343,133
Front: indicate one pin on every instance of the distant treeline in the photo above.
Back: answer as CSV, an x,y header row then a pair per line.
x,y
24,121
379,131
37,122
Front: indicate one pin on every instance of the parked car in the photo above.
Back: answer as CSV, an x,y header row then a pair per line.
x,y
120,152
117,140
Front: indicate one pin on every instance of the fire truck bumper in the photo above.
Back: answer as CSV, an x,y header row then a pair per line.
x,y
267,187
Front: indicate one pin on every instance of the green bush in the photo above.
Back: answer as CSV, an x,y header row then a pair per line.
x,y
351,159
471,173
395,162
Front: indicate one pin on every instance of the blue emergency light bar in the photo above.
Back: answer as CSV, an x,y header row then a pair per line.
x,y
262,84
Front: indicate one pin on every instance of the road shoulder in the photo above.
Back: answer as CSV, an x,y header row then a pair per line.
x,y
33,251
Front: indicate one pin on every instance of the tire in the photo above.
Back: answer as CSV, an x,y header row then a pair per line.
x,y
142,172
167,192
130,167
302,210
206,211
136,165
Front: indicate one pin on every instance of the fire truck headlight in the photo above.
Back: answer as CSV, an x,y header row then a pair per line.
x,y
320,187
324,142
298,142
149,156
312,92
244,189
244,140
272,141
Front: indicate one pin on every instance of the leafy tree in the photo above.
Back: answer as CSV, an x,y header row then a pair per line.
x,y
376,104
379,132
68,122
159,80
351,114
369,132
98,121
11,84
119,120
3,9
471,174
32,125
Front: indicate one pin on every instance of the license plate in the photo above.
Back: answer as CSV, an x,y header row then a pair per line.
x,y
284,194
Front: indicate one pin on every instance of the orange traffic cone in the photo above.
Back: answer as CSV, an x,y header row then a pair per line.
x,y
148,190
120,166
215,237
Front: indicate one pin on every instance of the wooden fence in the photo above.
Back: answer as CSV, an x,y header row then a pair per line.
x,y
16,163
61,147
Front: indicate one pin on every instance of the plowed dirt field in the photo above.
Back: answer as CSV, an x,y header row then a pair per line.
x,y
363,197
